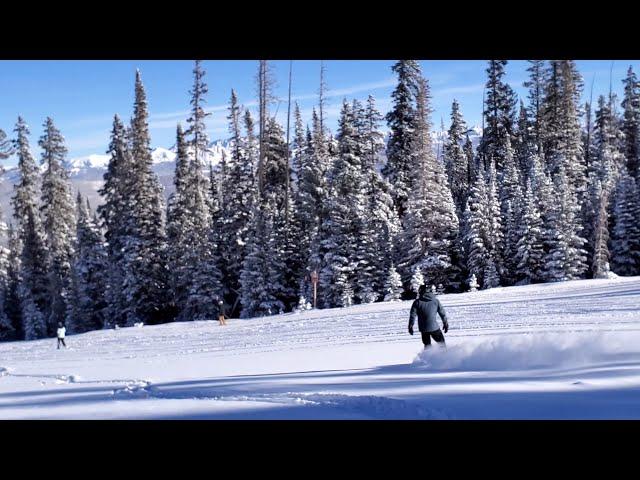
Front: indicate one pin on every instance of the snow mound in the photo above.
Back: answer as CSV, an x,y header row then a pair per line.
x,y
378,407
528,351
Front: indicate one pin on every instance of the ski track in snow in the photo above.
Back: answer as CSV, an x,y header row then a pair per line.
x,y
539,337
371,405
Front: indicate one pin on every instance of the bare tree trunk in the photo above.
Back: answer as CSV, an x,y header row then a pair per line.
x,y
323,87
286,201
600,254
482,153
587,153
262,100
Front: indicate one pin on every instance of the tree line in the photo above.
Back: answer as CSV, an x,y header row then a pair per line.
x,y
549,194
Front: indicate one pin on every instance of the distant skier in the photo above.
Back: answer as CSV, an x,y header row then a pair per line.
x,y
61,333
222,315
425,307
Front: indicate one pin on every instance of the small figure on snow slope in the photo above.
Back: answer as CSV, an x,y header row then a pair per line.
x,y
61,333
222,316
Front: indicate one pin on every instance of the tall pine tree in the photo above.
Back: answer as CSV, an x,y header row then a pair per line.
x,y
59,223
401,120
145,279
88,303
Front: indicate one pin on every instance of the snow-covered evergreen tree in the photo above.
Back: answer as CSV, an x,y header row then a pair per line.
x,y
476,227
491,275
472,170
114,213
631,123
323,152
625,237
605,163
259,294
417,280
6,147
455,159
34,286
12,308
401,120
305,213
7,331
482,235
562,137
365,256
287,260
510,195
380,224
430,225
607,141
535,112
473,283
239,197
145,273
88,301
299,146
204,279
499,113
495,232
178,223
251,143
59,223
373,137
345,215
25,198
529,247
525,145
311,194
393,285
565,257
269,284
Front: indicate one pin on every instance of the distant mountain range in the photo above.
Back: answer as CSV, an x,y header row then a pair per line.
x,y
86,173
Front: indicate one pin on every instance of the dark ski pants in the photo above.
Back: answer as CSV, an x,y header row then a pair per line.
x,y
61,340
437,336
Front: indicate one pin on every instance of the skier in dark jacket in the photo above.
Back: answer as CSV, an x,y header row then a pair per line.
x,y
426,307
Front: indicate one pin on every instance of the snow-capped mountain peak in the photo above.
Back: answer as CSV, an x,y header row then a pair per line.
x,y
87,162
161,155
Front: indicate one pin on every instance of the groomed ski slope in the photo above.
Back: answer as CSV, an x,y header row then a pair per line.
x,y
567,350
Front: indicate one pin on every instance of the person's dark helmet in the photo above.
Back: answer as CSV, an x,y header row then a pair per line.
x,y
422,290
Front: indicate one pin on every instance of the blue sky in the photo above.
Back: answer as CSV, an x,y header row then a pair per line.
x,y
82,96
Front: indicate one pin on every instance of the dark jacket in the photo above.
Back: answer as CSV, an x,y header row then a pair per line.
x,y
426,308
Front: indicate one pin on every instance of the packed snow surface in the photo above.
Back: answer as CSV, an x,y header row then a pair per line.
x,y
552,351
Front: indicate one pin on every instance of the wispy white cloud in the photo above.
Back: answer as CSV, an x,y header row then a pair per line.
x,y
352,90
170,119
91,121
475,88
185,113
171,122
